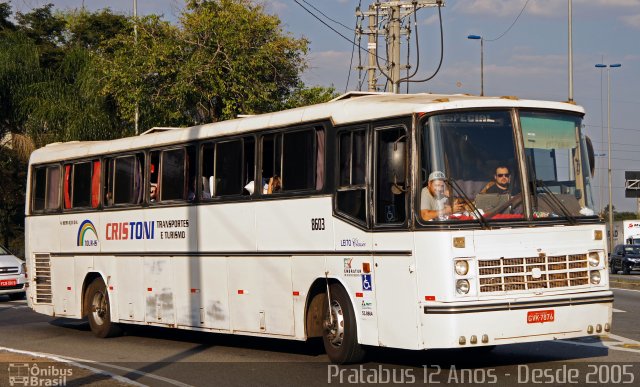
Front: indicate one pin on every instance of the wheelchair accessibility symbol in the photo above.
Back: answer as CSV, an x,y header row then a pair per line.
x,y
367,285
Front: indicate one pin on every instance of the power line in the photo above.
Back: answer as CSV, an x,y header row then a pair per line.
x,y
331,28
512,24
325,15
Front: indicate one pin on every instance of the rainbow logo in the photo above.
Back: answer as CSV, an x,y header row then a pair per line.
x,y
85,227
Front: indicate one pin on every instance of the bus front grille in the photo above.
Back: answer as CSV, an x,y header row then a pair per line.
x,y
42,278
532,273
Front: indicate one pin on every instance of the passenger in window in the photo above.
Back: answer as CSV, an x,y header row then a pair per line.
x,y
434,203
153,192
501,182
275,185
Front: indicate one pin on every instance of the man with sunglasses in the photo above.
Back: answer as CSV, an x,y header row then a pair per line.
x,y
501,181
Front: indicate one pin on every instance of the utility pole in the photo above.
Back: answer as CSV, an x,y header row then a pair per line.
x,y
135,41
385,23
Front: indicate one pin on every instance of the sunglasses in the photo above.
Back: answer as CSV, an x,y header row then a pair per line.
x,y
503,174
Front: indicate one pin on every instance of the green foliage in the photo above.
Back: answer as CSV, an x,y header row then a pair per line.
x,y
46,31
226,58
304,96
13,170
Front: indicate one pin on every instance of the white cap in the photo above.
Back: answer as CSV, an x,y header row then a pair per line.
x,y
249,187
436,175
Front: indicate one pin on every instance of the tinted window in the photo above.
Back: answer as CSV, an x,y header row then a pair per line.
x,y
124,180
228,173
39,188
81,185
52,201
352,159
298,161
172,182
390,176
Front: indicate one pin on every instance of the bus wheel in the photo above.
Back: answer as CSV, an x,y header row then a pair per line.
x,y
99,310
340,335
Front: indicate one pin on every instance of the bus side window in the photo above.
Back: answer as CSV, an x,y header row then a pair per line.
x,y
124,180
391,166
173,185
78,185
299,160
351,187
46,191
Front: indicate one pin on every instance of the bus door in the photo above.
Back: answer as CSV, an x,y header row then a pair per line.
x,y
394,280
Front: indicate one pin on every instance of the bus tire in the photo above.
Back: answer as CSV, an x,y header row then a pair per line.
x,y
340,336
99,310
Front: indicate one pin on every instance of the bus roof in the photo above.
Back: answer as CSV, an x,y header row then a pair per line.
x,y
348,108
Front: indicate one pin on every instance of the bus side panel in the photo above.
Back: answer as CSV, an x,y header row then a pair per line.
x,y
260,295
227,227
305,270
395,291
298,225
158,281
130,288
201,292
63,286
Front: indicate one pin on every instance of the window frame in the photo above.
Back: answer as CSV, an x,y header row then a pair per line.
x,y
366,223
32,199
402,123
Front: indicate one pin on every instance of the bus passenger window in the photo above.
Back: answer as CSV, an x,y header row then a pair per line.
x,y
172,175
299,161
124,180
46,189
352,160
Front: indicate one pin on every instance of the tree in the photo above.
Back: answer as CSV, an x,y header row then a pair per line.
x,y
12,169
46,30
227,57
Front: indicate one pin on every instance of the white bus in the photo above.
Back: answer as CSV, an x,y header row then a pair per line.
x,y
314,222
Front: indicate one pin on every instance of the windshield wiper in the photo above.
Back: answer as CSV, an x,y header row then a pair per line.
x,y
552,199
459,191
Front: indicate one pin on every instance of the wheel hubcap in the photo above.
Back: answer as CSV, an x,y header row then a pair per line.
x,y
99,307
335,328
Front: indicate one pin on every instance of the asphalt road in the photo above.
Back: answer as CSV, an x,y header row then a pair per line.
x,y
164,357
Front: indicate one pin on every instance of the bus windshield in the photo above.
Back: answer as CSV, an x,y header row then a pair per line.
x,y
470,168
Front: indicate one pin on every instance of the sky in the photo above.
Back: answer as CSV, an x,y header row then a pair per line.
x,y
530,60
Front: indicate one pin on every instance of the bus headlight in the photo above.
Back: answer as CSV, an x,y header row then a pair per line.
x,y
462,286
595,277
462,267
594,259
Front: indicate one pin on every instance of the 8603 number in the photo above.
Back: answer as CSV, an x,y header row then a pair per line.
x,y
317,224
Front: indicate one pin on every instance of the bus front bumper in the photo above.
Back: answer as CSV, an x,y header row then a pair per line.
x,y
465,325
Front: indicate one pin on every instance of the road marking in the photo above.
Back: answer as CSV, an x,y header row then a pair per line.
x,y
628,290
57,358
78,363
615,345
619,311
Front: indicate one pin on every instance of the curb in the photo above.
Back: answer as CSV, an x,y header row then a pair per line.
x,y
633,285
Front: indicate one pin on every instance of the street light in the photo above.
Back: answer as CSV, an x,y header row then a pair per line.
x,y
609,67
478,37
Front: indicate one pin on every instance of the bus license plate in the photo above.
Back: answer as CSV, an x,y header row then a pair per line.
x,y
540,316
10,282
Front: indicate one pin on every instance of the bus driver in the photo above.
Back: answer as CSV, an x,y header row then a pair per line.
x,y
433,199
